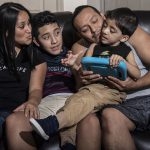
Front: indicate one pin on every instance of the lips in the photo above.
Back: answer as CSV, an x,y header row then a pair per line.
x,y
55,48
29,37
103,38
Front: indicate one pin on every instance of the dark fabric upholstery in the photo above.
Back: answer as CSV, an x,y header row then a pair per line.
x,y
144,19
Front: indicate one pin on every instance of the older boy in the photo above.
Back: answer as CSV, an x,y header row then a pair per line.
x,y
59,82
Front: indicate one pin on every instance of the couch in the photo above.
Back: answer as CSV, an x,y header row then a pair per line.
x,y
142,139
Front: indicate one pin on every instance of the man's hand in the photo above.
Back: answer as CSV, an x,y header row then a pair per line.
x,y
87,77
126,85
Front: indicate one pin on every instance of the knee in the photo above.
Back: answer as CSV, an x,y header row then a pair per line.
x,y
110,119
90,121
15,120
11,120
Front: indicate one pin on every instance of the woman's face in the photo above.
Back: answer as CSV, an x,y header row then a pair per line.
x,y
23,34
89,23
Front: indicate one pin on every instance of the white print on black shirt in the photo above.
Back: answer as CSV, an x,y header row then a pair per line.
x,y
58,69
19,69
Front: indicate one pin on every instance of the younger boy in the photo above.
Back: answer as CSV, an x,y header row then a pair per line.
x,y
118,27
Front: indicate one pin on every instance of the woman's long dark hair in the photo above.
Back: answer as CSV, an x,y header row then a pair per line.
x,y
8,18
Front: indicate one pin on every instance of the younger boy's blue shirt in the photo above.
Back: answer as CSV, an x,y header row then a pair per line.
x,y
59,78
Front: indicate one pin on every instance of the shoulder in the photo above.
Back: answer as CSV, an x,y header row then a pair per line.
x,y
139,36
140,40
80,45
125,46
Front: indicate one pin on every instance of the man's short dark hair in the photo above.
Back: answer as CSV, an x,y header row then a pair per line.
x,y
41,19
125,19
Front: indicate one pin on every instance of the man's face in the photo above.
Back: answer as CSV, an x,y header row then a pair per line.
x,y
50,38
89,23
111,34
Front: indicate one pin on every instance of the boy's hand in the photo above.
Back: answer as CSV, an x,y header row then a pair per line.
x,y
115,59
70,59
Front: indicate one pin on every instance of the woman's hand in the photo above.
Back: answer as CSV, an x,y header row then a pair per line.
x,y
30,110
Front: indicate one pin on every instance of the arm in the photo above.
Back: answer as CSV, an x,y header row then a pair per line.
x,y
36,84
90,50
76,48
35,89
130,84
83,77
140,40
132,67
37,78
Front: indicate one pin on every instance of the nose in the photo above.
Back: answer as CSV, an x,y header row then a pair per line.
x,y
28,28
93,29
53,39
105,30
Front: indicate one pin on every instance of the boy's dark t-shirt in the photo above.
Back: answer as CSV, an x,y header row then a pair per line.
x,y
14,92
103,50
59,78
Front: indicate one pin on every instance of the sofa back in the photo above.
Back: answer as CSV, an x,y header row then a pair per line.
x,y
70,36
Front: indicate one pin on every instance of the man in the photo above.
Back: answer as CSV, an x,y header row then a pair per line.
x,y
82,22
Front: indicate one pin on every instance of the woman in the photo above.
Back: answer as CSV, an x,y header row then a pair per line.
x,y
22,71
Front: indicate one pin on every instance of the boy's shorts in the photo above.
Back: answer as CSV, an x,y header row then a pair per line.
x,y
52,103
137,110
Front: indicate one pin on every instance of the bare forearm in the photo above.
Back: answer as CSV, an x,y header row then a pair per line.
x,y
35,97
143,82
133,71
77,79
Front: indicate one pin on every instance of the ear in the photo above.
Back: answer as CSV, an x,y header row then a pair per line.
x,y
103,16
36,42
61,28
124,38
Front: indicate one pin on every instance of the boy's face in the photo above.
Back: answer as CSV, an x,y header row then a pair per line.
x,y
50,38
111,34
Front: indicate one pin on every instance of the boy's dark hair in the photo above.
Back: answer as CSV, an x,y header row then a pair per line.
x,y
41,19
125,20
79,9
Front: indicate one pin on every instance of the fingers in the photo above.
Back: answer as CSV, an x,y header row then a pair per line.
x,y
19,108
85,73
114,84
31,111
64,61
115,60
88,79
